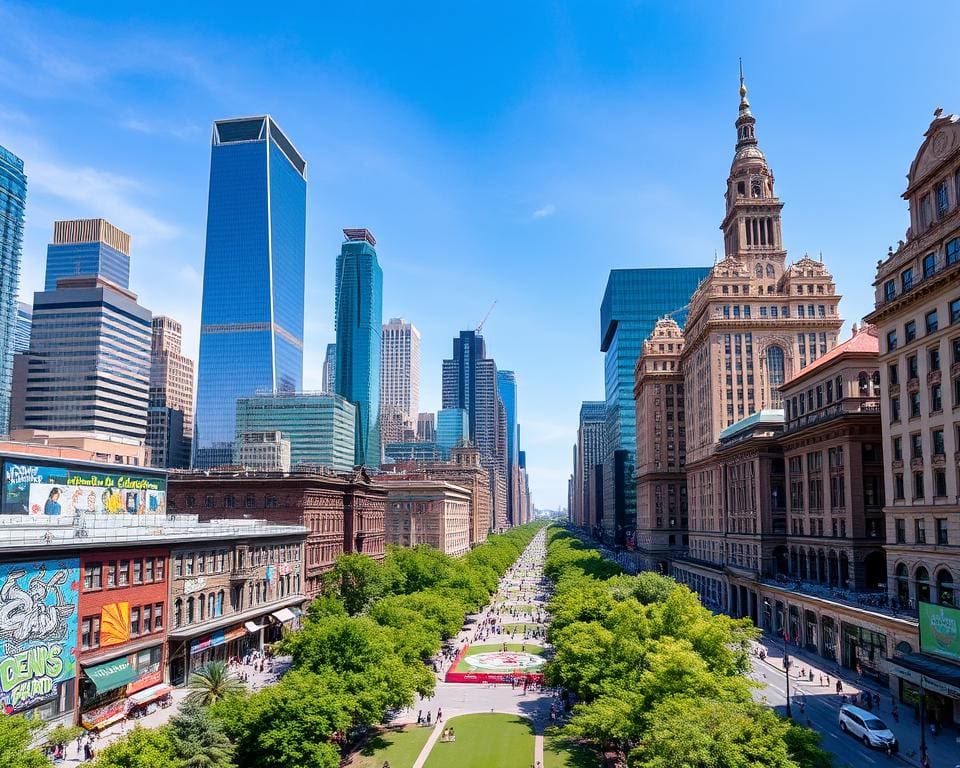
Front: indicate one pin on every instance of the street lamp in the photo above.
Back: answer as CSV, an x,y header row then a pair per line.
x,y
923,729
786,671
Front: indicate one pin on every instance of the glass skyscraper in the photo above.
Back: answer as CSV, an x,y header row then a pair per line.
x,y
507,389
632,303
359,319
251,323
13,199
453,428
85,248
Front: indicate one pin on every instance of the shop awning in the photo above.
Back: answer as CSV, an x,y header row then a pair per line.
x,y
283,615
151,694
111,675
296,611
252,626
934,675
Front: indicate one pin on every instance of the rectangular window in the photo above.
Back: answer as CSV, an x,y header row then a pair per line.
x,y
939,483
955,344
178,566
138,571
201,563
891,341
158,617
147,619
943,536
919,531
901,530
134,622
953,251
926,217
918,485
929,265
189,563
936,398
934,359
123,573
93,576
906,279
942,199
916,446
914,405
148,570
894,409
913,369
893,377
898,492
801,312
889,290
936,439
161,567
897,448
90,632
910,331
112,574
931,319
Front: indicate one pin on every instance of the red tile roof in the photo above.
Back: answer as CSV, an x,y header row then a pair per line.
x,y
863,342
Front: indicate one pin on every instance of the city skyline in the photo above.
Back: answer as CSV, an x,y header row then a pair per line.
x,y
547,215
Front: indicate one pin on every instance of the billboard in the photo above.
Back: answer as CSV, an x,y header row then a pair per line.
x,y
940,630
34,489
38,630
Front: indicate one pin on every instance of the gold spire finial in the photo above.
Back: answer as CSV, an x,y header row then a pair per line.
x,y
743,87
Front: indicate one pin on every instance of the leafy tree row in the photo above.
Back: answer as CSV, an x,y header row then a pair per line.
x,y
359,656
656,675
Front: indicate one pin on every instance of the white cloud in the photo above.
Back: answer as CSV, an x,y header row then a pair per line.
x,y
153,128
544,212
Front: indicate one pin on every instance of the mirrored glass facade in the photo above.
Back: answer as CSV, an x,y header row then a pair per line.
x,y
359,318
632,302
251,334
13,199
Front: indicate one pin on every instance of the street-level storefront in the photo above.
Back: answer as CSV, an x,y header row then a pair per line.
x,y
112,689
193,646
940,682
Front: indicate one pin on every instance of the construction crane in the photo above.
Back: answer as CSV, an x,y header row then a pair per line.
x,y
486,316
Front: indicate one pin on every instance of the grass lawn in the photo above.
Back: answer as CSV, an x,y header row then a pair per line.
x,y
536,650
484,741
398,746
557,753
520,627
522,607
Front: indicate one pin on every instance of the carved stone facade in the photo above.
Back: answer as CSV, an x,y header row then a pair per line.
x,y
342,513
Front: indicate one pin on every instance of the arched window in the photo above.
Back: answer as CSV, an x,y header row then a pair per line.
x,y
210,605
770,270
875,384
775,375
177,612
189,610
903,584
922,577
945,587
220,603
756,188
200,607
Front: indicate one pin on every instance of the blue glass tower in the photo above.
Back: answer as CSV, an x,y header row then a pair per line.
x,y
453,428
632,303
13,199
86,248
359,319
507,389
251,322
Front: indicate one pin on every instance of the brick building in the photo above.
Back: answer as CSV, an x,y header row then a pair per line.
x,y
429,512
342,513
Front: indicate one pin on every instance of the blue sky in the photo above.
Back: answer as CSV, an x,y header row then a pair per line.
x,y
512,151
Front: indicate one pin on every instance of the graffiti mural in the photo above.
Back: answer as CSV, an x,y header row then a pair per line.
x,y
38,630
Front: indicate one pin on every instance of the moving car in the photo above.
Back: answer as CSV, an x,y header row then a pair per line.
x,y
867,727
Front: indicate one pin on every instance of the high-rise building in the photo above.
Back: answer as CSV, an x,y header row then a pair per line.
x,y
661,449
21,334
754,323
453,429
633,301
13,199
78,379
507,389
86,248
399,379
426,429
359,315
251,332
321,427
917,315
588,455
264,451
330,369
170,416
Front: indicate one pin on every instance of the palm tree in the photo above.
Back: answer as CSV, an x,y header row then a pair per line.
x,y
212,682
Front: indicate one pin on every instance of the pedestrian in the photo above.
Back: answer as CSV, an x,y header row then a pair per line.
x,y
821,681
429,715
439,714
420,717
811,675
839,687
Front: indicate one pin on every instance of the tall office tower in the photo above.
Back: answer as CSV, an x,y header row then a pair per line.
x,y
661,448
917,314
251,322
507,389
359,308
170,416
633,302
399,379
21,333
78,380
426,430
330,369
589,455
470,383
13,199
88,247
754,323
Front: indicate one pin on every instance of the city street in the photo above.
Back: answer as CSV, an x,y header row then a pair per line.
x,y
822,705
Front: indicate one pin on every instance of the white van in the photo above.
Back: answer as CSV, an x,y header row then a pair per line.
x,y
866,726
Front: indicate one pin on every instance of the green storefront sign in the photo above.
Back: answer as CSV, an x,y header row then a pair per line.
x,y
940,630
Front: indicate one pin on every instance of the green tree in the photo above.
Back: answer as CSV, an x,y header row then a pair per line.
x,y
140,748
357,579
198,740
212,682
16,735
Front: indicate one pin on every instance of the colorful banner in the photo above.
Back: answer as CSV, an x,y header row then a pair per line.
x,y
38,490
940,630
38,630
114,624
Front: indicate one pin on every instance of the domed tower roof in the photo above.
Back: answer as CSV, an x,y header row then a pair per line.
x,y
748,149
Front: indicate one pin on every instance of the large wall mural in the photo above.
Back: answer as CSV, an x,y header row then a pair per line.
x,y
38,630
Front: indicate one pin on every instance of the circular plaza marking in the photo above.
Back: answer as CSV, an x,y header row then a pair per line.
x,y
504,661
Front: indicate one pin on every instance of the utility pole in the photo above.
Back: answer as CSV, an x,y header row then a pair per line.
x,y
786,671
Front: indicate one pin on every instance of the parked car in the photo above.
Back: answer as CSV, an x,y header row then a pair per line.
x,y
867,727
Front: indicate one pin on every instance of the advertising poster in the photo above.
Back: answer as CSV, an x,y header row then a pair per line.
x,y
940,630
38,630
42,491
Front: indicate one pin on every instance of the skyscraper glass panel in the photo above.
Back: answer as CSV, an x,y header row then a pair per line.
x,y
251,334
86,260
632,303
359,319
453,427
13,199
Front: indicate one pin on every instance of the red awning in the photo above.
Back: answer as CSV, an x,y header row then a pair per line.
x,y
150,694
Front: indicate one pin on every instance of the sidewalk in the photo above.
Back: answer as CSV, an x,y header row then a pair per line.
x,y
943,749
